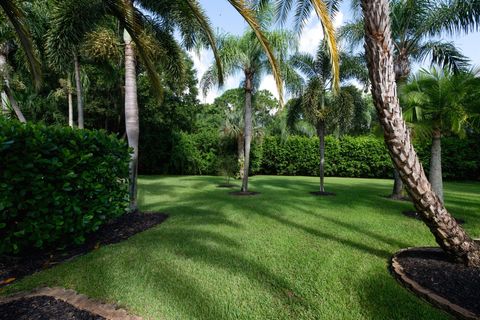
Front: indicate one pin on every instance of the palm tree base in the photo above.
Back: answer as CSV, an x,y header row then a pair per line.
x,y
431,275
244,193
322,193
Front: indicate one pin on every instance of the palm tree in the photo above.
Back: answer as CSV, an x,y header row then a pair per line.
x,y
439,100
83,16
417,28
317,103
245,54
379,51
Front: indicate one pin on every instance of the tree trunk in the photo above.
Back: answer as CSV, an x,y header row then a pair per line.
x,y
248,128
131,115
7,95
321,149
397,192
435,174
241,154
70,101
14,104
448,234
78,82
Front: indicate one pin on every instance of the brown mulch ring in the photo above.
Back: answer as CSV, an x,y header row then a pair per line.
x,y
415,215
226,185
122,228
58,304
322,193
448,285
244,194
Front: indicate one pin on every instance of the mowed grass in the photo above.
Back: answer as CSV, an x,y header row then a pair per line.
x,y
284,254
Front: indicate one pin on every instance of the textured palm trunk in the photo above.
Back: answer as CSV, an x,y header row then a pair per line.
x,y
448,234
321,149
131,115
78,83
435,174
3,95
248,128
70,101
241,154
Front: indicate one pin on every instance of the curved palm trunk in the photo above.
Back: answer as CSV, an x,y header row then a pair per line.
x,y
131,115
321,138
448,234
14,104
241,154
70,101
248,128
78,82
435,174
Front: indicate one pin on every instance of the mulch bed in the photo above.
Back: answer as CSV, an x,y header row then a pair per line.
x,y
43,308
415,215
122,228
322,193
448,285
244,194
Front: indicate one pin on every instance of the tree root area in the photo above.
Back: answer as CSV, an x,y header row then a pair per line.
x,y
322,193
449,285
15,267
43,308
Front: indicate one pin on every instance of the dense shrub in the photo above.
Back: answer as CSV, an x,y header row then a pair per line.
x,y
346,157
58,184
362,157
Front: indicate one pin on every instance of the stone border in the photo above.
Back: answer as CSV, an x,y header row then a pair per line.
x,y
397,270
79,301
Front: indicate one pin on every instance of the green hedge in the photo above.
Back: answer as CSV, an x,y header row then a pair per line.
x,y
58,184
361,157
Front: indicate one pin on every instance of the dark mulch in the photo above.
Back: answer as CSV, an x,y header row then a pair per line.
x,y
43,308
122,228
322,193
415,215
226,185
244,194
453,281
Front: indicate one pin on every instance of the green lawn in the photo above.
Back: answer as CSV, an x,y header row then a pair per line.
x,y
281,255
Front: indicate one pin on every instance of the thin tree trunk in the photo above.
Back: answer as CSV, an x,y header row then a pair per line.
x,y
435,174
248,128
70,101
397,192
4,103
321,149
78,82
3,95
14,104
131,115
448,234
241,154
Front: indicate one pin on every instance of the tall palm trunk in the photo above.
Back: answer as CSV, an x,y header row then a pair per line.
x,y
241,154
131,115
78,82
435,173
70,101
321,148
248,128
448,234
14,103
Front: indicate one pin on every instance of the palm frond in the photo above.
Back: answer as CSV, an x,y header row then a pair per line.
x,y
17,19
444,54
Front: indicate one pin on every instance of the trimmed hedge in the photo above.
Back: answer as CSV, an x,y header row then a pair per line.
x,y
58,184
357,157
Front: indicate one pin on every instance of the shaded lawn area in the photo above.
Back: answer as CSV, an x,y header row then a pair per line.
x,y
283,254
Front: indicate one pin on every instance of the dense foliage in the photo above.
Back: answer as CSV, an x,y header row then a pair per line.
x,y
57,184
363,156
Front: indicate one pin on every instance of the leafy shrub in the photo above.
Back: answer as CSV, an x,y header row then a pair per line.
x,y
58,184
